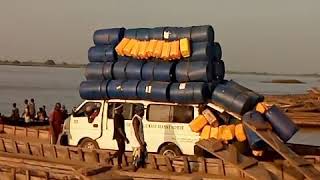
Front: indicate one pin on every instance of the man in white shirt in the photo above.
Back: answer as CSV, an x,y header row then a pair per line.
x,y
137,138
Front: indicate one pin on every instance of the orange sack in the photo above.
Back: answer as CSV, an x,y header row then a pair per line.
x,y
135,49
165,51
198,123
142,54
151,47
205,133
127,49
158,49
120,47
175,50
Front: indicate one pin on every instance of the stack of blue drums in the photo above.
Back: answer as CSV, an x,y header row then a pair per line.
x,y
188,80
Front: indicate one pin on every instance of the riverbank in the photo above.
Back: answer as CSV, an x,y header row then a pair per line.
x,y
40,64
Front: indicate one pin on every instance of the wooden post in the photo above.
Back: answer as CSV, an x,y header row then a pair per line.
x,y
221,168
68,154
95,156
14,146
13,173
27,146
41,150
54,151
28,177
37,134
186,164
2,146
153,162
26,132
46,176
14,130
80,153
202,161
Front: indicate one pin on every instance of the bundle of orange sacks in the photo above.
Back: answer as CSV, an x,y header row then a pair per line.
x,y
208,126
159,49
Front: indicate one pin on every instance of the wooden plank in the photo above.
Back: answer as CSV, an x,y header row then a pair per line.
x,y
303,166
169,164
252,171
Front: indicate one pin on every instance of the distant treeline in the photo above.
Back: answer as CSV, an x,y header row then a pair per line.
x,y
47,63
52,63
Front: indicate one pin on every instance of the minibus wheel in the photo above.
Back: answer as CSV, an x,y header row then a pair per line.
x,y
170,150
88,143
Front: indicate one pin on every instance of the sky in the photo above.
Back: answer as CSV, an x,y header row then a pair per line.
x,y
256,36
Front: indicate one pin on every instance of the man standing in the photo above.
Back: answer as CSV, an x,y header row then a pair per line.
x,y
32,109
26,112
56,120
137,138
119,133
15,116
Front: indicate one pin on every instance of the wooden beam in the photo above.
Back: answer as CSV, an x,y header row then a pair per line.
x,y
304,167
228,151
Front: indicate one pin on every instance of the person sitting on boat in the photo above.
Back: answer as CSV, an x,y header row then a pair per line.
x,y
26,112
41,115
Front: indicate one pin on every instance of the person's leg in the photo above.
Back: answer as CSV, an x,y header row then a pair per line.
x,y
135,158
121,150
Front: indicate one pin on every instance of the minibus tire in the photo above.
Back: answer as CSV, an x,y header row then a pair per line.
x,y
86,141
170,147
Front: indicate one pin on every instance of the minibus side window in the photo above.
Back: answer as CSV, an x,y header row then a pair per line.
x,y
182,114
168,113
128,110
158,113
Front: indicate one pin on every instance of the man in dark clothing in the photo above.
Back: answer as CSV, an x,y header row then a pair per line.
x,y
32,109
15,116
119,133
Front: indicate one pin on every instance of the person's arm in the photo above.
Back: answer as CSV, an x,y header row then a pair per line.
x,y
123,134
136,125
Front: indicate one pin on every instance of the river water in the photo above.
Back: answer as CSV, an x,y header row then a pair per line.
x,y
48,85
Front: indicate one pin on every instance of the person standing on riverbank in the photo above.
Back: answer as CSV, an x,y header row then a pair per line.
x,y
56,120
26,112
32,109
